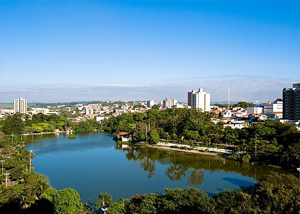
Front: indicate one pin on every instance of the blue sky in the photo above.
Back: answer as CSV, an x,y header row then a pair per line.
x,y
52,51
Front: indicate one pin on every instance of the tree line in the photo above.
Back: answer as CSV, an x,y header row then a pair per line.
x,y
21,124
30,192
270,141
276,194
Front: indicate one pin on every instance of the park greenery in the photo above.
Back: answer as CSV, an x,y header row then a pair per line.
x,y
270,141
276,193
23,189
19,124
241,104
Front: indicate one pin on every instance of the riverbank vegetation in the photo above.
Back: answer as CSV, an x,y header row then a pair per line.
x,y
23,124
269,141
30,192
23,190
276,193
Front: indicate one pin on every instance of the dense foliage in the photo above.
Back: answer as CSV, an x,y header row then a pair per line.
x,y
20,124
273,141
276,193
241,104
14,156
29,191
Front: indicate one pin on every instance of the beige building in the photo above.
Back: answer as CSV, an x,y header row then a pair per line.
x,y
199,100
20,105
40,110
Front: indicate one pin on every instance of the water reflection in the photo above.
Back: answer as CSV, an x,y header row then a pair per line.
x,y
60,144
191,166
238,182
105,167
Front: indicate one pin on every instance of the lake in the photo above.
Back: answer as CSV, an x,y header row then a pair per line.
x,y
94,163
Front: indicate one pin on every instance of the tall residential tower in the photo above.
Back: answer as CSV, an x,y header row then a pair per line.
x,y
20,105
291,102
199,100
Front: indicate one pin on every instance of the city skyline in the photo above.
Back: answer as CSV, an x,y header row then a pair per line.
x,y
132,50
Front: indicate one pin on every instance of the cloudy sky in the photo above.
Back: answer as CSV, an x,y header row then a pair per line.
x,y
56,51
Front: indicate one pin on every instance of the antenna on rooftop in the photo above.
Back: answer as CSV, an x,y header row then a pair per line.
x,y
228,98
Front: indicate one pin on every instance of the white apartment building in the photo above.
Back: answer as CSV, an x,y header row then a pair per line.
x,y
40,110
276,106
178,105
20,105
257,109
166,103
199,100
150,103
88,111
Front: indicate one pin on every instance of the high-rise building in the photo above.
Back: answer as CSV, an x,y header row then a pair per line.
x,y
20,105
199,100
150,103
168,103
88,111
275,106
291,102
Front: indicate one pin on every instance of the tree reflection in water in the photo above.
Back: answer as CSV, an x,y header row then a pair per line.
x,y
190,166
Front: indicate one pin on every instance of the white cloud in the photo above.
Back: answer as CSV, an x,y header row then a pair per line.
x,y
242,88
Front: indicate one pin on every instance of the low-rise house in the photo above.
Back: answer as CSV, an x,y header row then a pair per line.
x,y
99,118
69,130
124,136
236,125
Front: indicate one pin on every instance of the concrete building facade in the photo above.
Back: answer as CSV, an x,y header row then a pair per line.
x,y
150,103
199,100
291,102
169,103
274,108
20,105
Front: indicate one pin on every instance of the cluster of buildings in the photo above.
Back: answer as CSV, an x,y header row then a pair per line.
x,y
286,109
196,99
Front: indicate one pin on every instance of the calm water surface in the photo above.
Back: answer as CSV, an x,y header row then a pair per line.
x,y
93,163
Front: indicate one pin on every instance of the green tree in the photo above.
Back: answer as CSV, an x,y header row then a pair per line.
x,y
118,207
142,136
13,124
156,107
234,202
278,193
104,200
65,201
190,200
33,186
193,135
154,136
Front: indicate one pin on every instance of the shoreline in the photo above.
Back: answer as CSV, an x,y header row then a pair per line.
x,y
220,155
41,133
187,151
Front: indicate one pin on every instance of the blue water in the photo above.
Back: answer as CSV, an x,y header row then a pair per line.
x,y
93,163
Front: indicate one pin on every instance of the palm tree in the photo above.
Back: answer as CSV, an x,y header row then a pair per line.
x,y
104,200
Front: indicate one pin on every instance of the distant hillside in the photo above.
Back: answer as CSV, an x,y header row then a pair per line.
x,y
7,105
225,102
